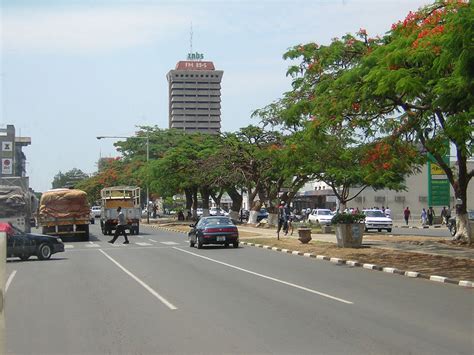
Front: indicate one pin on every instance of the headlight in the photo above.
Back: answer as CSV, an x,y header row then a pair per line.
x,y
60,240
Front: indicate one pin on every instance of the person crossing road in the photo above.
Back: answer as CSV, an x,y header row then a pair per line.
x,y
121,224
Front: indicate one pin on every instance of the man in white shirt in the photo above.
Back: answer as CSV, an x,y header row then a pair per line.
x,y
388,212
120,229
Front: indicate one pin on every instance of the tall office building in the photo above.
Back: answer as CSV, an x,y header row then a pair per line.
x,y
195,97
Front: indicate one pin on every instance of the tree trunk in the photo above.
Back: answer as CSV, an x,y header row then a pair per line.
x,y
272,219
463,228
236,203
189,201
254,211
205,194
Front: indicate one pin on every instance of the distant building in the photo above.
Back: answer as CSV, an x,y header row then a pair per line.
x,y
195,96
13,159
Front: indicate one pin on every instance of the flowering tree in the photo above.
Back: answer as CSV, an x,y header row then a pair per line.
x,y
415,85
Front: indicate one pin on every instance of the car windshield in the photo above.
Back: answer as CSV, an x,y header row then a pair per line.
x,y
374,213
215,221
324,212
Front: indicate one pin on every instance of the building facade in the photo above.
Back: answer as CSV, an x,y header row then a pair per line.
x,y
318,195
13,159
195,97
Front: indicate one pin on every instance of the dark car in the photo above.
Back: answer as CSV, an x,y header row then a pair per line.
x,y
23,245
214,230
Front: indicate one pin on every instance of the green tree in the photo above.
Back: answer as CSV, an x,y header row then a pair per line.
x,y
68,179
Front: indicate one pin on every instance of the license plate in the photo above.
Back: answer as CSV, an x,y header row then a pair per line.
x,y
220,239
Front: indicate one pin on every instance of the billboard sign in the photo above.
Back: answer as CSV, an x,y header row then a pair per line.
x,y
7,166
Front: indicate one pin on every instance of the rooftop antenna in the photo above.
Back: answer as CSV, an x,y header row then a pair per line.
x,y
191,38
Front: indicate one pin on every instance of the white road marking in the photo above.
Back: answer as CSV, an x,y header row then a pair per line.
x,y
148,288
9,281
142,244
169,243
68,246
268,277
139,236
92,245
152,240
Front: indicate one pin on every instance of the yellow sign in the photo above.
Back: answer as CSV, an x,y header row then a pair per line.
x,y
436,170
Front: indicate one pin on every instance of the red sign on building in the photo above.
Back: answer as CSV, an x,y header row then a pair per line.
x,y
194,65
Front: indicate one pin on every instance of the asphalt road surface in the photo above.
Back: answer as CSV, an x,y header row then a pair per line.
x,y
158,295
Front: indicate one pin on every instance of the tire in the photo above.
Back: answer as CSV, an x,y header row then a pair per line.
x,y
235,244
191,243
389,230
199,243
86,234
226,245
379,230
24,257
137,230
44,252
452,230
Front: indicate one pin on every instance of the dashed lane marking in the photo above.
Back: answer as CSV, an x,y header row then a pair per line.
x,y
153,240
9,281
169,243
143,284
142,244
268,277
68,246
92,245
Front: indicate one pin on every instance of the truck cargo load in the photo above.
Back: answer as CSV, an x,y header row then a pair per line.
x,y
64,212
15,207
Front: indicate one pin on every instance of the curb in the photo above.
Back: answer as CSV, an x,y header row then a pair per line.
x,y
353,263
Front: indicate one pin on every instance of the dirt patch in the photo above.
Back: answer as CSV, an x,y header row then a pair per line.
x,y
455,268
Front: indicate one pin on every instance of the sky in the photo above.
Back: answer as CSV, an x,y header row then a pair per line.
x,y
72,70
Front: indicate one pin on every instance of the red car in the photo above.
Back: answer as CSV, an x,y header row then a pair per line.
x,y
214,230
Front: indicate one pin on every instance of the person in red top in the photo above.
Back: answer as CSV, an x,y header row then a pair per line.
x,y
406,215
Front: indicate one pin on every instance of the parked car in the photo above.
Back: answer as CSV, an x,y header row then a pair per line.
x,y
452,222
23,245
214,211
262,214
321,216
213,230
376,219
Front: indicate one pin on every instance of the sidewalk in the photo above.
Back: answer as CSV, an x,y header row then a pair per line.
x,y
402,243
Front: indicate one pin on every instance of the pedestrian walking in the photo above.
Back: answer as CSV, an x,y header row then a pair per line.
x,y
120,229
388,212
406,215
423,217
431,214
448,215
443,215
283,215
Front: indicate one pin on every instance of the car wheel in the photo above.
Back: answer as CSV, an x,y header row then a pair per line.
x,y
44,252
226,245
191,243
379,230
235,244
453,230
366,229
199,243
24,257
389,230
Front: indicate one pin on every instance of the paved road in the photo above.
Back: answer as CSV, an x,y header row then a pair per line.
x,y
157,295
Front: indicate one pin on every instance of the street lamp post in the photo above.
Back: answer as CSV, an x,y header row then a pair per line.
x,y
147,160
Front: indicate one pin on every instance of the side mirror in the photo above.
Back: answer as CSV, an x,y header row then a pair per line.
x,y
192,225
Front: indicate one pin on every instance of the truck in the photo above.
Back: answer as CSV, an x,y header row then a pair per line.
x,y
126,197
64,212
15,206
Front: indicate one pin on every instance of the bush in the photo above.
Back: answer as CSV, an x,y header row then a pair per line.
x,y
348,218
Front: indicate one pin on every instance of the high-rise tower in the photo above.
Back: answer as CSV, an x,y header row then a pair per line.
x,y
195,96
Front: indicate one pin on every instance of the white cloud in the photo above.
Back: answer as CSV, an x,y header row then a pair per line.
x,y
79,29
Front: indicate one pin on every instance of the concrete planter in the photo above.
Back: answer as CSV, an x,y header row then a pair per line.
x,y
304,235
349,235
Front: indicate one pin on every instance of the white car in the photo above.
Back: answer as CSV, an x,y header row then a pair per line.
x,y
376,219
214,211
321,216
95,211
